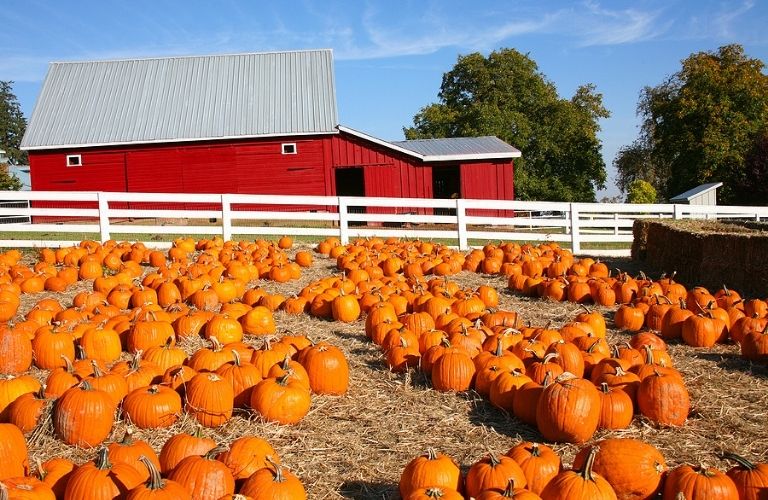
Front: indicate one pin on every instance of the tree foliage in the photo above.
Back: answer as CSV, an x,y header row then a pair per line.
x,y
640,191
506,95
699,125
12,124
9,182
752,186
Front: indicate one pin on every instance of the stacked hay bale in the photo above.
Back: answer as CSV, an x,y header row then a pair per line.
x,y
706,253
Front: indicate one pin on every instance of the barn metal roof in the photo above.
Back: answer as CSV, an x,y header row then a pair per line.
x,y
190,98
697,191
477,148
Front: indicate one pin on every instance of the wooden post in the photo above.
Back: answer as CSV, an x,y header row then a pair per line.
x,y
575,236
103,216
343,221
226,218
461,224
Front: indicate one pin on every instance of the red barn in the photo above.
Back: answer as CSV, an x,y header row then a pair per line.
x,y
260,123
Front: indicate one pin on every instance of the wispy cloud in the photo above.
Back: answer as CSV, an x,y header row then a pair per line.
x,y
596,25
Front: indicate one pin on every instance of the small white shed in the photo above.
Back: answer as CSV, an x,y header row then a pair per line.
x,y
706,194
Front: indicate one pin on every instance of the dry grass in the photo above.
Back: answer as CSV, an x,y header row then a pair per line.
x,y
356,446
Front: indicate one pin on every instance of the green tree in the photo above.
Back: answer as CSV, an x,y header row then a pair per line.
x,y
9,182
699,124
506,95
12,124
641,191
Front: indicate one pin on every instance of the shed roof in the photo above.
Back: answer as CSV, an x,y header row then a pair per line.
x,y
478,148
448,149
191,98
697,191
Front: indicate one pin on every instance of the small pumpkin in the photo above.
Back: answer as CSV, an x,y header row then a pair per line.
x,y
430,469
273,483
580,484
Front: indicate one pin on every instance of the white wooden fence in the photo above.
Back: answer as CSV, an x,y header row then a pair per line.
x,y
155,218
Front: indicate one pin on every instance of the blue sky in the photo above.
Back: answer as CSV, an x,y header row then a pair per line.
x,y
390,55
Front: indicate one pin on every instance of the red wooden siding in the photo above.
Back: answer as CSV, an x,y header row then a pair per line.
x,y
257,166
487,181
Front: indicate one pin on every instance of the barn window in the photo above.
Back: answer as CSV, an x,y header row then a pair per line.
x,y
289,148
74,160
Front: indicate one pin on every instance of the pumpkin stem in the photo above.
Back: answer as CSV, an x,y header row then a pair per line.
x,y
286,362
96,370
535,451
155,481
136,361
509,491
127,437
102,459
3,491
586,471
217,346
499,347
279,478
738,459
236,355
212,453
431,454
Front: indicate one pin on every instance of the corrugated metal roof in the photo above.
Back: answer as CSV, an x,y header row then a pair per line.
x,y
698,190
460,147
184,99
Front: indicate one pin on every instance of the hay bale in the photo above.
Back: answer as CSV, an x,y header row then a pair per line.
x,y
706,253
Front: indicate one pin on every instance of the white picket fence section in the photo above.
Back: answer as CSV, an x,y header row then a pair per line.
x,y
232,217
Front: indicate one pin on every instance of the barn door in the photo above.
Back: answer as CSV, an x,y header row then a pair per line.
x,y
351,182
446,184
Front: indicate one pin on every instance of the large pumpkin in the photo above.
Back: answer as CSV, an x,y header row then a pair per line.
x,y
493,472
204,476
248,454
13,452
152,407
568,410
664,398
327,368
453,371
698,483
83,416
210,399
283,400
101,480
633,468
539,463
751,479
273,483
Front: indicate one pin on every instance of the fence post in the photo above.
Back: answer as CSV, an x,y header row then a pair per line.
x,y
575,236
677,213
103,216
343,221
461,224
226,218
616,224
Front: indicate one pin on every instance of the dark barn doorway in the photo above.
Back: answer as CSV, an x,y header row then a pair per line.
x,y
446,184
351,182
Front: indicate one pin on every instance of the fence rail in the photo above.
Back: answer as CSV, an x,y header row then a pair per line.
x,y
57,218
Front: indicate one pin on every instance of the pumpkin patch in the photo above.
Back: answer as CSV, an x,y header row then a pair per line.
x,y
219,355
